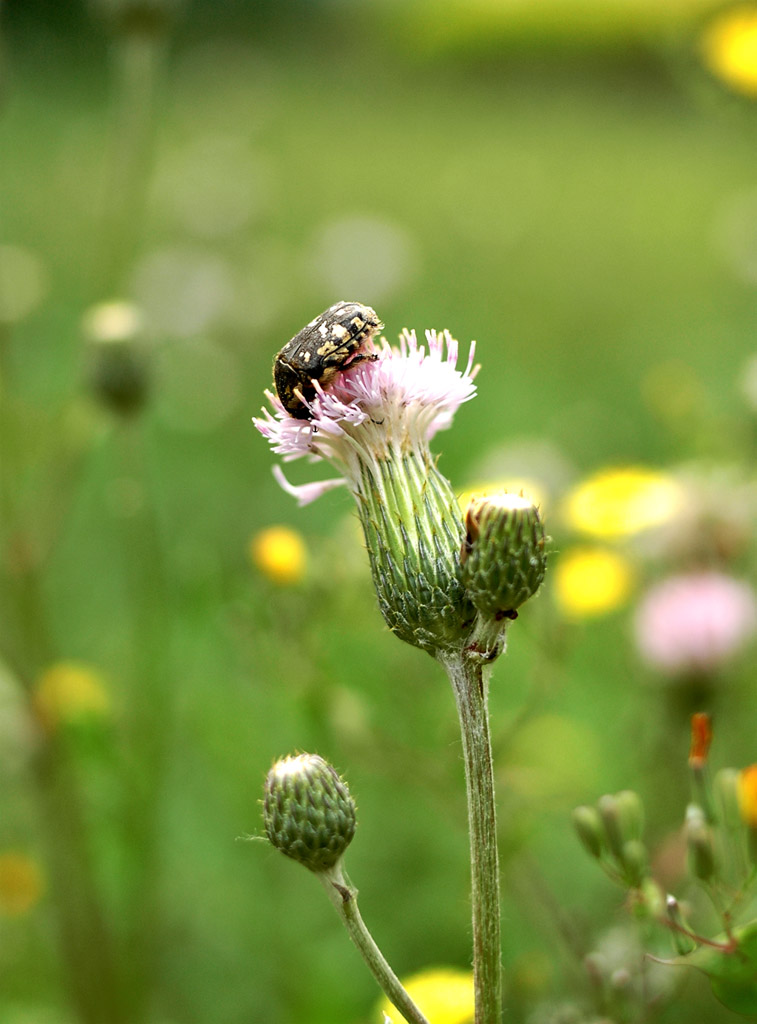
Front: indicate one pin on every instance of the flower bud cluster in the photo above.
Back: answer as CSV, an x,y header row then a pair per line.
x,y
611,832
720,832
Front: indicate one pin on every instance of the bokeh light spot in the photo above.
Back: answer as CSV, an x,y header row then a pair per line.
x,y
621,502
21,883
70,692
279,552
183,291
198,385
364,258
23,282
729,48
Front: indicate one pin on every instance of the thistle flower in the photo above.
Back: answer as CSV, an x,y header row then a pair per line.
x,y
374,424
694,623
373,411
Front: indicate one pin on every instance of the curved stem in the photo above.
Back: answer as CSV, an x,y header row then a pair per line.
x,y
344,897
471,696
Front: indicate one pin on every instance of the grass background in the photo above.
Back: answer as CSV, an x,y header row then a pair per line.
x,y
585,212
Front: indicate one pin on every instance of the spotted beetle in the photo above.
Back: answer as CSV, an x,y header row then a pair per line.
x,y
333,341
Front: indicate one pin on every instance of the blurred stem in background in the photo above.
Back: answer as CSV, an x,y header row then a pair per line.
x,y
139,30
150,713
107,960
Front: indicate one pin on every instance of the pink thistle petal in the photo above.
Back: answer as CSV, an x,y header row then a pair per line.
x,y
305,493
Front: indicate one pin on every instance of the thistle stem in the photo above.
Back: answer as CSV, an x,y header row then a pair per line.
x,y
343,895
471,696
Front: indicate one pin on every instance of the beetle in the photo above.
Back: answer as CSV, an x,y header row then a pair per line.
x,y
332,342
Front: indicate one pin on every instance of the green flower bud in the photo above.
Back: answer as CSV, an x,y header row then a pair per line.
x,y
610,815
726,787
589,829
630,814
635,862
680,931
118,366
413,532
699,842
653,897
503,558
308,812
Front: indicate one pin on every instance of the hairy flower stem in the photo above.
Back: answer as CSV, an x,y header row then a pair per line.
x,y
470,686
343,895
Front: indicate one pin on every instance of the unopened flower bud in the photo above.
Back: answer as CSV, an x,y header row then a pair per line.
x,y
701,788
630,813
653,896
700,845
308,812
503,558
118,366
701,738
726,786
679,930
610,815
635,862
589,829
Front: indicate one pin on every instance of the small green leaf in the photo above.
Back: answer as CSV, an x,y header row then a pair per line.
x,y
732,972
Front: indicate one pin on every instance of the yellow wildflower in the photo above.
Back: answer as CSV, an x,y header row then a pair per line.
x,y
729,48
279,553
20,883
68,692
618,503
748,795
591,581
443,994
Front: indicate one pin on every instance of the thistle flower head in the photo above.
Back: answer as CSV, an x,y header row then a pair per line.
x,y
391,405
374,422
308,812
695,623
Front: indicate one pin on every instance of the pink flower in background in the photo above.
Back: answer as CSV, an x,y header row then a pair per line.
x,y
694,623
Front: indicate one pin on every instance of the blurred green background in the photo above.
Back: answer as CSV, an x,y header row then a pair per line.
x,y
572,188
